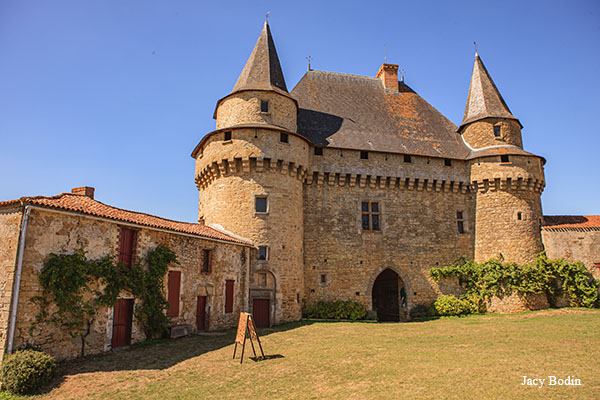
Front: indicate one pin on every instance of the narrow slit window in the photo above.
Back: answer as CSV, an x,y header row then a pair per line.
x,y
264,106
460,222
370,216
520,216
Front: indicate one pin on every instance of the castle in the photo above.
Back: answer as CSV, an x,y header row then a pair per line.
x,y
346,188
354,187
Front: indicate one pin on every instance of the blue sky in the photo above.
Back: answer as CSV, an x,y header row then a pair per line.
x,y
116,94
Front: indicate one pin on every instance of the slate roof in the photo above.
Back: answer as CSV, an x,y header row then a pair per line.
x,y
563,223
88,206
263,70
357,112
484,99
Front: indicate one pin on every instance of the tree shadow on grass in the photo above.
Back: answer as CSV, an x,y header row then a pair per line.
x,y
160,354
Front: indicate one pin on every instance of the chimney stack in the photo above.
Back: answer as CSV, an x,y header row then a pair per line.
x,y
84,191
388,73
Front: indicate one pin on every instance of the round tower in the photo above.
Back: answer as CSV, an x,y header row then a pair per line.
x,y
249,173
507,180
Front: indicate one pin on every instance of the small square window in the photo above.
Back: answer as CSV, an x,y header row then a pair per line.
x,y
447,162
323,278
264,106
263,252
261,204
284,137
318,151
364,155
227,135
497,132
407,158
504,158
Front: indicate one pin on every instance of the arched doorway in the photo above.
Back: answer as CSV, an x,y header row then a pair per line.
x,y
388,296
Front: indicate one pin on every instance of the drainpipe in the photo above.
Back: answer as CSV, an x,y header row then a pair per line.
x,y
17,283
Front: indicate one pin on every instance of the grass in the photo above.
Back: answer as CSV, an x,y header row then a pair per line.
x,y
472,357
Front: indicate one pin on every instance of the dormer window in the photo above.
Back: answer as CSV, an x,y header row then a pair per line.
x,y
497,132
504,158
264,106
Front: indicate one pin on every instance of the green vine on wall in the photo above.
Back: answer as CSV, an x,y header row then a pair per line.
x,y
552,277
74,288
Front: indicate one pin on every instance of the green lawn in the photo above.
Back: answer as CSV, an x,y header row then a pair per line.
x,y
472,357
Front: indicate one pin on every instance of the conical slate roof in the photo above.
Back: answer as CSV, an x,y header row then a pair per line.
x,y
484,99
262,70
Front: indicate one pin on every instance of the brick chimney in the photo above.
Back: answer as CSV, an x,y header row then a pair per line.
x,y
388,73
84,191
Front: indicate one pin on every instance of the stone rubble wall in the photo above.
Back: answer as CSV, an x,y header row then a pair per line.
x,y
480,134
574,245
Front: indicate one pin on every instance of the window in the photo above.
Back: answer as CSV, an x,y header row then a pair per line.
x,y
173,296
127,244
284,137
261,204
497,132
519,216
504,158
263,252
370,216
318,151
229,296
264,106
407,158
447,162
323,278
227,135
206,262
460,222
364,155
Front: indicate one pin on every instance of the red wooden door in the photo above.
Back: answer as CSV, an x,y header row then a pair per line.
x,y
260,312
173,295
123,316
201,314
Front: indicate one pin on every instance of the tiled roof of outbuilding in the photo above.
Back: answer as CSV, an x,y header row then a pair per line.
x,y
86,205
357,112
583,223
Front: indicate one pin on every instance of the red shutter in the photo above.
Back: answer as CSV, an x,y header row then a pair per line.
x,y
229,296
174,286
127,247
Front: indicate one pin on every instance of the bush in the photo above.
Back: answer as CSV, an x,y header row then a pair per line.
x,y
335,310
420,311
450,305
27,371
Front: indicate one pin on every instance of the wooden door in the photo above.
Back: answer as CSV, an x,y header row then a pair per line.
x,y
201,314
121,335
260,312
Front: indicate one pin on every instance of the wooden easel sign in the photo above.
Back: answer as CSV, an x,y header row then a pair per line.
x,y
246,328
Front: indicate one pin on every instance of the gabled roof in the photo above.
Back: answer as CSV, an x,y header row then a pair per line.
x,y
357,112
580,223
85,205
262,70
484,99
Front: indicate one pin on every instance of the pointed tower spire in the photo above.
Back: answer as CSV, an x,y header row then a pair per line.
x,y
484,100
262,70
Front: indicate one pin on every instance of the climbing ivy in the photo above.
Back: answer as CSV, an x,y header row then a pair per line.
x,y
74,288
497,278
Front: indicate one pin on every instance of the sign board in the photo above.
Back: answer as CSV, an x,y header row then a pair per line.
x,y
246,328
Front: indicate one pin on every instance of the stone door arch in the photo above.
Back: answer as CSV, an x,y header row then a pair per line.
x,y
390,295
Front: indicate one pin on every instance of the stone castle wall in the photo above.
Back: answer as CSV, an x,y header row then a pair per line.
x,y
50,232
480,134
574,245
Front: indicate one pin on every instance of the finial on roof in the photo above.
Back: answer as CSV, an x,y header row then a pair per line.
x,y
402,71
384,54
267,16
309,58
475,47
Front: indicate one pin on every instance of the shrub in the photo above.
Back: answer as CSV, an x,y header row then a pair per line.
x,y
420,311
27,371
450,305
335,310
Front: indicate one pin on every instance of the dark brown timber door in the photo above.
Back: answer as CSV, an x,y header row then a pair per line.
x,y
260,312
201,314
121,335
